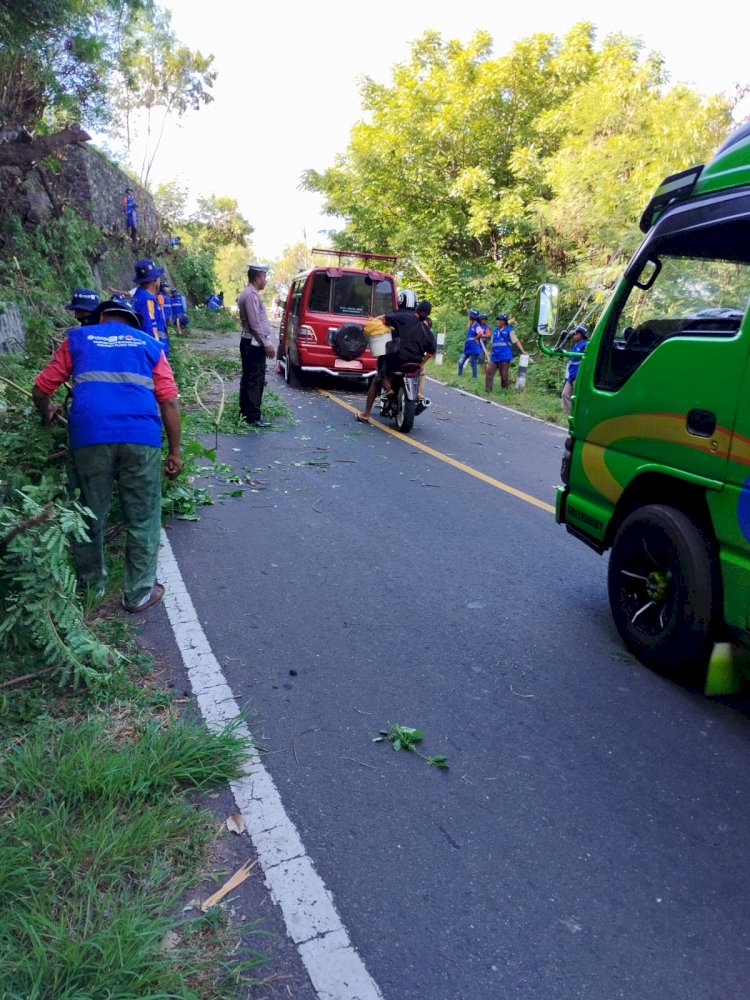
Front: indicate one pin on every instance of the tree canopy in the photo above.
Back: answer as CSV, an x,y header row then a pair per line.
x,y
486,174
98,62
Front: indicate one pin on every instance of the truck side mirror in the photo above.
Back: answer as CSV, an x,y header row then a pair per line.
x,y
545,310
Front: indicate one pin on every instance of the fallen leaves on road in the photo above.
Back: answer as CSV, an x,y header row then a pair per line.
x,y
237,879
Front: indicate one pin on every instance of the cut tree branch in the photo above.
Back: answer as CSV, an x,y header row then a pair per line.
x,y
20,153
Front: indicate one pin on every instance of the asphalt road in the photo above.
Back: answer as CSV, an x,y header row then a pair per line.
x,y
590,837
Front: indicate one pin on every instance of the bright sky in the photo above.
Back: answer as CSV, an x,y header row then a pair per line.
x,y
287,95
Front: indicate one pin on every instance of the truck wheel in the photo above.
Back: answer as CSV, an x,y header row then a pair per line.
x,y
405,412
663,590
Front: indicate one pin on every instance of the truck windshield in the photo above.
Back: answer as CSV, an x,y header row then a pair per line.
x,y
350,295
689,297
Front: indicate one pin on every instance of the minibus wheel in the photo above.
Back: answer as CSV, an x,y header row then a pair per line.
x,y
292,373
663,590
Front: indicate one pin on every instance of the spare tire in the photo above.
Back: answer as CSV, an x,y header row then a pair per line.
x,y
349,341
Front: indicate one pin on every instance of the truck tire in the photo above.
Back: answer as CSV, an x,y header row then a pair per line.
x,y
405,411
664,591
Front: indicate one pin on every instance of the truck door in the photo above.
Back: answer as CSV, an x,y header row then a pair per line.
x,y
662,393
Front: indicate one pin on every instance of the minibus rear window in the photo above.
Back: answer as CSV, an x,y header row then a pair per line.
x,y
350,295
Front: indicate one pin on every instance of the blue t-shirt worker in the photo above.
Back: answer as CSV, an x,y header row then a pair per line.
x,y
83,304
580,343
504,338
146,301
123,393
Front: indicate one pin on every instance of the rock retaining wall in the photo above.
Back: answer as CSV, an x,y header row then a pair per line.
x,y
12,336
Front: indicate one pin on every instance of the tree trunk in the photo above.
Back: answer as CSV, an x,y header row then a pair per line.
x,y
24,153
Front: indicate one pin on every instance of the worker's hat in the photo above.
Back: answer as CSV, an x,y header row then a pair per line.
x,y
84,299
121,309
146,270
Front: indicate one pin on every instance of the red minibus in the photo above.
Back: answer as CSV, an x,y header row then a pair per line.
x,y
322,300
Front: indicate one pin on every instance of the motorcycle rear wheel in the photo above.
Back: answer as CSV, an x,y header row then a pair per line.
x,y
405,412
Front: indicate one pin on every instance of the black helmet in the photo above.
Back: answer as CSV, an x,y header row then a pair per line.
x,y
123,310
502,316
407,299
473,314
582,328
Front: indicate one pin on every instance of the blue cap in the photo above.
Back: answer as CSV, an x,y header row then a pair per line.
x,y
502,316
83,298
146,270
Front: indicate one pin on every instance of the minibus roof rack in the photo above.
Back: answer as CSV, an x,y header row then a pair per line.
x,y
355,253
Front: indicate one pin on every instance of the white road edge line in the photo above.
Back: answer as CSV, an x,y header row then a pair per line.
x,y
500,406
335,969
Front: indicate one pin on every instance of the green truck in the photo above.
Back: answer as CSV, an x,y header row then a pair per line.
x,y
657,464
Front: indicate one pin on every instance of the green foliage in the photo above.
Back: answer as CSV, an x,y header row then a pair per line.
x,y
156,76
41,621
56,59
487,174
42,264
192,268
220,223
99,841
220,321
407,738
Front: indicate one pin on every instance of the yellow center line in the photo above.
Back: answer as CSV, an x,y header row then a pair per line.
x,y
447,459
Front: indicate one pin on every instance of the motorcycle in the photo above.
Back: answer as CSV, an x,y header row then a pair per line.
x,y
403,405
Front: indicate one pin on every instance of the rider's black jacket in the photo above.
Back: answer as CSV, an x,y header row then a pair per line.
x,y
415,339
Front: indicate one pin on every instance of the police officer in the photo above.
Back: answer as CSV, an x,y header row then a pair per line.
x,y
255,344
123,391
83,303
146,303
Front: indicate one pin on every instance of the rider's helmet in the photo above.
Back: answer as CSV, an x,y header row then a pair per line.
x,y
473,314
582,328
407,299
502,316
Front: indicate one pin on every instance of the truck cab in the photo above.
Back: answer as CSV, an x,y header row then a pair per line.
x,y
657,464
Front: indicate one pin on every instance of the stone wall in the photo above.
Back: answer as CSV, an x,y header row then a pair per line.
x,y
79,176
12,336
96,186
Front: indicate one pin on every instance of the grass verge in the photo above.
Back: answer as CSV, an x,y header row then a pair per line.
x,y
101,826
540,398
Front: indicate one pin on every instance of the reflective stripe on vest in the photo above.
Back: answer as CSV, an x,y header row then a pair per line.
x,y
131,377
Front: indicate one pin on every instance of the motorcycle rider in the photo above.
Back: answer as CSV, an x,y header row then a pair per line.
x,y
412,343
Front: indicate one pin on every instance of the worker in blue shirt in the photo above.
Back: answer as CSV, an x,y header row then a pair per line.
x,y
146,303
580,343
503,340
179,310
473,343
164,299
83,304
213,303
131,213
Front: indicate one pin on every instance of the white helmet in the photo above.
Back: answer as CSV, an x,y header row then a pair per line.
x,y
407,299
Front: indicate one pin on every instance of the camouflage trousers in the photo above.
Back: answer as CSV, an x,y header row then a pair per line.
x,y
136,468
